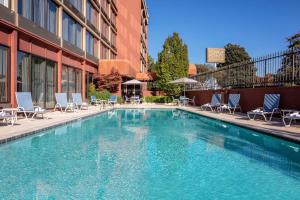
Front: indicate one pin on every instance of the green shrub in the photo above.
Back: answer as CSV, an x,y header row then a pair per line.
x,y
103,95
158,99
91,90
119,99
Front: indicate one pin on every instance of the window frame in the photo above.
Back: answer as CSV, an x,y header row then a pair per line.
x,y
8,74
32,15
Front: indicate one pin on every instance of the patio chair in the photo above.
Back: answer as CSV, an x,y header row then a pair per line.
x,y
192,101
112,100
215,103
94,100
62,102
126,99
233,103
175,101
7,117
291,116
77,100
271,104
25,105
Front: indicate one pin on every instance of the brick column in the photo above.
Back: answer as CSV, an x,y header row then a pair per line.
x,y
59,70
83,81
13,69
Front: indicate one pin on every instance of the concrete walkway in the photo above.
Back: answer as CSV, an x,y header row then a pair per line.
x,y
25,127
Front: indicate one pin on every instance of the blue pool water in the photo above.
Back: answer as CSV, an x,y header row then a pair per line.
x,y
149,154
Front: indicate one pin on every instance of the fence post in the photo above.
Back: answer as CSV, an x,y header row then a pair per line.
x,y
265,82
293,67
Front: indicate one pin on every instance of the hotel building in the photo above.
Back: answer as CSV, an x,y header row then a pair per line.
x,y
49,46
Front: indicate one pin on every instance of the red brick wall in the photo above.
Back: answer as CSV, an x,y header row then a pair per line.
x,y
252,98
129,32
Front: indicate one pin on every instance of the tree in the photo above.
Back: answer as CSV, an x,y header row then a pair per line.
x,y
202,68
291,61
294,41
235,54
108,82
172,64
151,64
241,71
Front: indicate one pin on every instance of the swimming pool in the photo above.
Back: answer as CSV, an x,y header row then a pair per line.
x,y
149,154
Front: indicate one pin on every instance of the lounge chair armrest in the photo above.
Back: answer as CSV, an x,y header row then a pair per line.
x,y
20,108
277,110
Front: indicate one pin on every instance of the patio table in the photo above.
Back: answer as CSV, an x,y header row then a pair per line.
x,y
135,99
184,101
12,112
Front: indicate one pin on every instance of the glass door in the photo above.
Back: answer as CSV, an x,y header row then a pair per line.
x,y
38,88
50,84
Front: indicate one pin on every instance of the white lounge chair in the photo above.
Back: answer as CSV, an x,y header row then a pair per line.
x,y
25,105
233,103
77,100
62,102
271,104
290,117
215,103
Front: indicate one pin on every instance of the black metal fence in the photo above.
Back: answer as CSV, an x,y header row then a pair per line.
x,y
278,69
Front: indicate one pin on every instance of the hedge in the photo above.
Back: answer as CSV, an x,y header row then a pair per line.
x,y
158,99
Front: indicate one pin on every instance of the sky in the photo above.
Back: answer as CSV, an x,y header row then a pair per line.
x,y
261,26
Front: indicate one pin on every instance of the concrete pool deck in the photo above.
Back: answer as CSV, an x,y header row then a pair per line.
x,y
25,127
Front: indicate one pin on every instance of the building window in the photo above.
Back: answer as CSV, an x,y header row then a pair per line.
x,y
90,41
105,29
38,76
104,52
77,4
41,12
113,38
5,3
113,56
91,13
72,30
4,75
51,16
71,81
113,17
104,5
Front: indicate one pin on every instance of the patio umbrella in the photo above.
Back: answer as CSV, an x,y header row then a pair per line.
x,y
184,81
133,82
